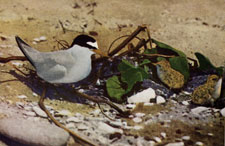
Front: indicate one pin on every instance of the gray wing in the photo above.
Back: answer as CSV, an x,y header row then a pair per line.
x,y
50,66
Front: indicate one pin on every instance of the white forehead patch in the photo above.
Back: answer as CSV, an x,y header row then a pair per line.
x,y
95,44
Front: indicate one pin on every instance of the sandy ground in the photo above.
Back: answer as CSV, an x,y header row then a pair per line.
x,y
191,26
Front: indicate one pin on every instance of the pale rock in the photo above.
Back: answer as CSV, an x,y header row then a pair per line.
x,y
39,112
29,113
70,125
130,106
151,143
186,137
137,120
82,127
185,102
34,94
210,134
163,134
160,99
148,104
108,129
17,63
19,104
140,115
143,96
175,144
157,139
199,143
43,38
222,111
22,96
116,123
73,119
63,113
138,127
199,109
35,133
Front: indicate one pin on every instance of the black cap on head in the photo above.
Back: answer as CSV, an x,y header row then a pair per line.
x,y
84,41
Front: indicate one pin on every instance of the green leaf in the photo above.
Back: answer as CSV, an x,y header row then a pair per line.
x,y
114,88
131,74
180,64
144,62
165,46
205,64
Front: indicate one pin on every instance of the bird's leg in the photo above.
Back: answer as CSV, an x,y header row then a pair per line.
x,y
73,134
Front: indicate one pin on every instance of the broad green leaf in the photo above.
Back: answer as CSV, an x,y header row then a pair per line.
x,y
144,62
131,74
205,64
165,46
114,88
180,64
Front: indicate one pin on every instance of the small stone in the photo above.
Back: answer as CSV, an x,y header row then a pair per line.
x,y
34,94
43,38
130,106
28,108
30,132
199,109
17,63
96,112
151,143
185,102
70,125
143,96
163,134
36,39
39,112
222,111
148,104
116,123
108,129
22,96
82,127
29,113
73,119
210,134
140,115
138,127
137,120
63,113
186,137
199,143
157,139
187,93
160,99
175,144
19,104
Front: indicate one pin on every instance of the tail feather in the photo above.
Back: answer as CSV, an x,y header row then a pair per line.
x,y
25,48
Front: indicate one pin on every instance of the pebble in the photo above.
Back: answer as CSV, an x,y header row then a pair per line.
x,y
19,104
163,134
143,96
108,129
29,113
130,106
175,144
137,120
63,113
185,102
138,127
199,109
73,119
70,125
186,137
39,112
22,96
96,112
151,143
82,127
32,132
210,134
157,139
222,111
199,143
148,104
160,99
17,63
34,94
117,123
43,38
140,115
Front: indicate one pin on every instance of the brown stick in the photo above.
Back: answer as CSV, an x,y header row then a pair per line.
x,y
42,106
7,59
158,55
126,41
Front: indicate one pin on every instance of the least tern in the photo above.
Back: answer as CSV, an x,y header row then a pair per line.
x,y
63,66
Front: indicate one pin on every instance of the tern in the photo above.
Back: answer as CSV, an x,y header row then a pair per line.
x,y
63,66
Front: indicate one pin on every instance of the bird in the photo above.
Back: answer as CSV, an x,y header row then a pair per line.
x,y
63,66
167,75
209,92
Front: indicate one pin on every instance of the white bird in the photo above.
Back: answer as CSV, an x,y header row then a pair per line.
x,y
63,66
